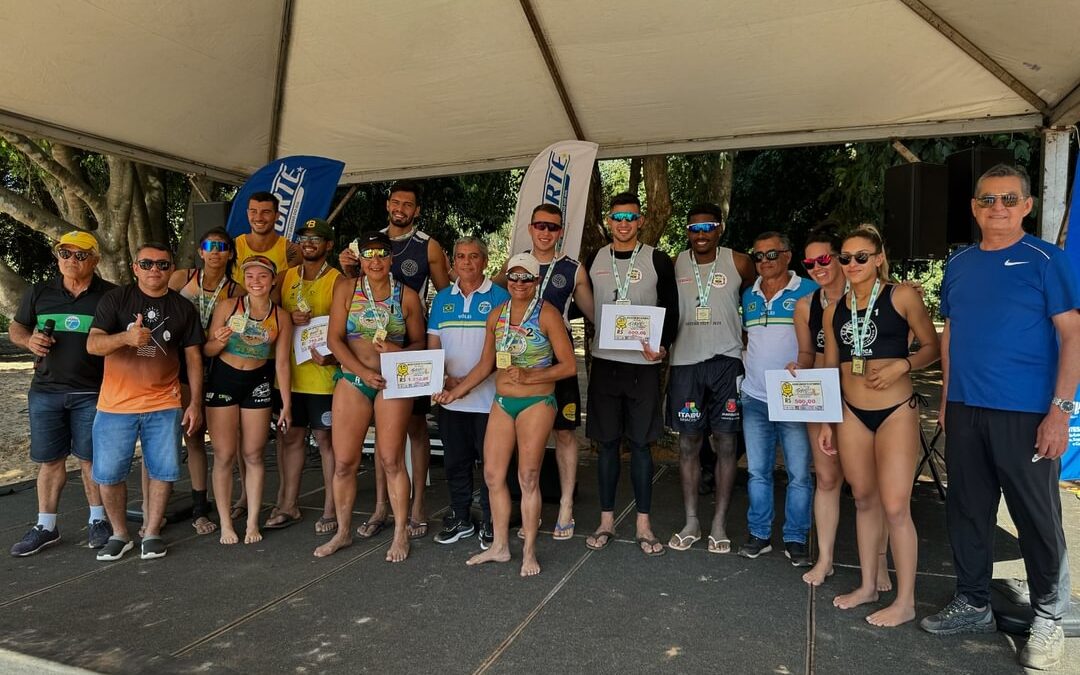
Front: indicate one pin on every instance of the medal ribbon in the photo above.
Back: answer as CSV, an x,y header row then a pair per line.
x,y
380,322
303,287
622,286
703,291
859,333
206,304
502,344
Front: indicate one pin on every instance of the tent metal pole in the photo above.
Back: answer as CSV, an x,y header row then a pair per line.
x,y
1055,181
279,85
553,69
341,204
982,58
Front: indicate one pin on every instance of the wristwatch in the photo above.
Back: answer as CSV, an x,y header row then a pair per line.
x,y
1067,407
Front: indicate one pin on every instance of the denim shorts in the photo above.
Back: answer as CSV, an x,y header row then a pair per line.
x,y
61,425
114,444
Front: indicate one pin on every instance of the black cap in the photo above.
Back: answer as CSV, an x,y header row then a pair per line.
x,y
373,239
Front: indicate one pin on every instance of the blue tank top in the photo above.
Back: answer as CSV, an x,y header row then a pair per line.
x,y
410,264
529,347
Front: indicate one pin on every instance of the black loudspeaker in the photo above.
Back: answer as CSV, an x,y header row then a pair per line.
x,y
965,167
207,216
915,211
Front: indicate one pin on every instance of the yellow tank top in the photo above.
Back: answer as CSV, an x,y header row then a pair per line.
x,y
309,377
278,253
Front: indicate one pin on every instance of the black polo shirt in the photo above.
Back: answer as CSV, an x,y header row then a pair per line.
x,y
67,368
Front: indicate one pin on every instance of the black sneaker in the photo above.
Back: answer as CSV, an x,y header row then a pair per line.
x,y
487,536
153,548
960,617
754,547
455,530
114,549
98,533
35,540
797,553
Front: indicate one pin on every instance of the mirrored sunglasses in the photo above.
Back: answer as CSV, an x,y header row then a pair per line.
x,y
862,257
146,264
1008,200
67,254
372,253
771,254
625,216
210,245
702,227
521,277
823,260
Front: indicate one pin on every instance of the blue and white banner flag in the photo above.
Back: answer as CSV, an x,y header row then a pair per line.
x,y
304,185
1070,463
559,175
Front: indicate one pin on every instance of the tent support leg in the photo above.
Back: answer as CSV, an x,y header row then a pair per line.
x,y
1055,181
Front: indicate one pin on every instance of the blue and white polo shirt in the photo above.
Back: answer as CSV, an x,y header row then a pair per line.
x,y
770,328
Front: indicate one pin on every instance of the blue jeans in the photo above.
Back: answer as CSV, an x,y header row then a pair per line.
x,y
114,445
761,436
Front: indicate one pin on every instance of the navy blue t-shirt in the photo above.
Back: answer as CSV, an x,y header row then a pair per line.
x,y
1003,348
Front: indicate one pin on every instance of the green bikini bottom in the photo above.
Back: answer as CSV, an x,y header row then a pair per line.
x,y
355,381
514,405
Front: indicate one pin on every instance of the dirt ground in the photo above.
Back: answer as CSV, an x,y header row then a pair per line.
x,y
16,370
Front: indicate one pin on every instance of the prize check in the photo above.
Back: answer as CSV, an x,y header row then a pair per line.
x,y
625,326
411,374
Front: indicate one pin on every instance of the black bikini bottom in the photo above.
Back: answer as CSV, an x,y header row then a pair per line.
x,y
872,419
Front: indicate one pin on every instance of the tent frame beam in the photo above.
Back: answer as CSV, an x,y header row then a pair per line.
x,y
979,56
279,85
553,68
1067,110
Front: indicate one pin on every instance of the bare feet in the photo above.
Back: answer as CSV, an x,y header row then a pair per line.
x,y
203,525
859,596
893,615
252,536
399,549
228,535
341,540
884,582
530,566
493,555
819,573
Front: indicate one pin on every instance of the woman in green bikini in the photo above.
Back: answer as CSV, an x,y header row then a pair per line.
x,y
527,342
370,315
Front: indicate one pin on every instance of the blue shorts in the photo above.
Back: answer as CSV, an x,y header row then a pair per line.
x,y
114,445
61,424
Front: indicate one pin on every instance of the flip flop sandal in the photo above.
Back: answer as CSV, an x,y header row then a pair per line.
x,y
521,530
208,526
719,545
563,532
681,543
414,525
608,538
289,521
651,542
376,526
324,525
238,512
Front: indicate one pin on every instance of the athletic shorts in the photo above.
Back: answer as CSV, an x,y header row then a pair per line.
x,y
421,405
705,396
624,401
226,386
568,400
311,411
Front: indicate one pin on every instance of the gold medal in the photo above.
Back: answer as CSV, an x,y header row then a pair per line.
x,y
301,303
237,323
502,360
703,315
858,365
380,335
355,248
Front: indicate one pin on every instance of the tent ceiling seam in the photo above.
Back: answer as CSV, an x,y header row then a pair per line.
x,y
978,55
279,84
553,69
1069,105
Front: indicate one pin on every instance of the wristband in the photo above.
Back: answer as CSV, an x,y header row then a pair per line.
x,y
910,367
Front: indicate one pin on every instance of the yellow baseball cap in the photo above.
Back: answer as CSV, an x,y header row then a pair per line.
x,y
79,239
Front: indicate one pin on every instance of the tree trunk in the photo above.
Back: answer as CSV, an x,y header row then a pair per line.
x,y
12,287
725,180
635,175
658,198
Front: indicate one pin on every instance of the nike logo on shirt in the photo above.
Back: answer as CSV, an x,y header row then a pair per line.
x,y
1010,263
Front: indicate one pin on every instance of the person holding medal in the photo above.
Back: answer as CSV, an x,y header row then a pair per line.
x,y
866,336
250,344
706,366
624,386
204,288
370,315
528,344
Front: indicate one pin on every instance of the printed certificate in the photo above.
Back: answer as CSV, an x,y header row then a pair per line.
x,y
812,395
411,374
311,336
625,326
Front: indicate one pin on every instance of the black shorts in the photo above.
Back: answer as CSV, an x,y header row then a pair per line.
x,y
705,396
421,405
624,400
568,404
310,411
226,386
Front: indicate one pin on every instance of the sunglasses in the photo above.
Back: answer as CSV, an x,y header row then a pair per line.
x,y
66,254
625,216
1008,200
542,225
210,246
372,253
146,264
521,277
702,227
771,254
823,260
310,239
862,257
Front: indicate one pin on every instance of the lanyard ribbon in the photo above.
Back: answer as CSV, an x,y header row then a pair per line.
x,y
859,333
622,286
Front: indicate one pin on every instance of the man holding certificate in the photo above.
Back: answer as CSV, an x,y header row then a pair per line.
x,y
305,292
703,388
636,306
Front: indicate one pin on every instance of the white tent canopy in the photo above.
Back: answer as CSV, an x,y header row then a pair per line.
x,y
426,87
